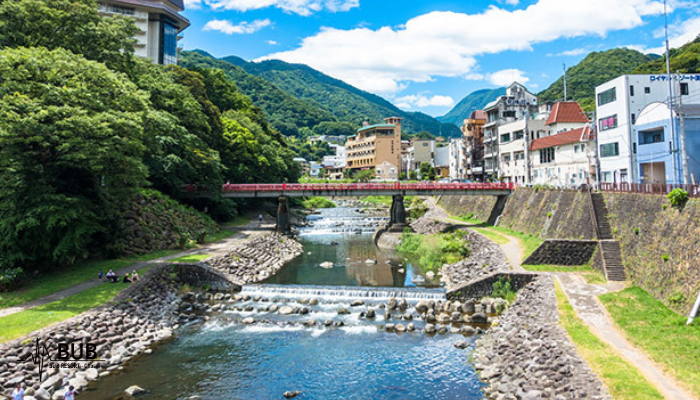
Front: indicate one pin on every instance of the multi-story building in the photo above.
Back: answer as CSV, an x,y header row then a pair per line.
x,y
337,160
518,103
473,133
442,161
618,104
513,140
652,130
159,24
565,159
375,144
421,150
458,158
387,171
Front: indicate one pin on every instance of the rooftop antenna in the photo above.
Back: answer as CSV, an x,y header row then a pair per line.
x,y
565,97
676,175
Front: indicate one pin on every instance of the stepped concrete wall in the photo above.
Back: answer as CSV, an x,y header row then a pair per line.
x,y
563,252
660,245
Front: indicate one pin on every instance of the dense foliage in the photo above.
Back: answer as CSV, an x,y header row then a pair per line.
x,y
685,59
299,89
597,68
434,250
474,101
310,151
85,126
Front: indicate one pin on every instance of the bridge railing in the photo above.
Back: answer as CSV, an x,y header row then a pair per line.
x,y
648,188
306,187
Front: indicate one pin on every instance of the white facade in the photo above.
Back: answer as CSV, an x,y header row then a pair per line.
x,y
339,160
564,165
159,24
512,148
458,158
618,103
387,171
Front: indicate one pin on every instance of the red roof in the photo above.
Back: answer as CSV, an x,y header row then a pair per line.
x,y
478,114
573,136
566,111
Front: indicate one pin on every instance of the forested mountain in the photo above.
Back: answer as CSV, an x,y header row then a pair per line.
x,y
685,59
595,69
347,105
472,102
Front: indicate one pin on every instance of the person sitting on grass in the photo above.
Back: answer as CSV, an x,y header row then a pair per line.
x,y
100,275
111,276
134,276
126,279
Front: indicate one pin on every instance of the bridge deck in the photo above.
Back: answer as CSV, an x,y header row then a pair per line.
x,y
364,189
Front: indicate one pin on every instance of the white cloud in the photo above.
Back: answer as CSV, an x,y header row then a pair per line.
x,y
272,43
507,76
301,7
193,4
446,43
570,53
241,28
512,2
678,35
420,101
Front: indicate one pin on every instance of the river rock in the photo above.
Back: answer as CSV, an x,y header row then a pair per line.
x,y
403,305
343,311
479,318
430,275
248,320
443,319
389,327
370,313
370,261
391,304
410,327
134,390
422,306
285,310
313,302
429,328
461,344
289,394
399,328
326,265
357,303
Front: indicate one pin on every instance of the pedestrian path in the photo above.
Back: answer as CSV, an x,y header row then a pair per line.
x,y
584,300
213,249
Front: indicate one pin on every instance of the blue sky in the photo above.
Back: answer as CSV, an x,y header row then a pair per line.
x,y
427,55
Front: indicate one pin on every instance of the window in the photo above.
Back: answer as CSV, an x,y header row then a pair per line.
x,y
169,44
121,10
547,155
509,114
607,96
634,118
684,89
577,148
608,122
518,135
425,144
647,90
607,176
651,136
631,90
623,175
505,138
520,156
609,150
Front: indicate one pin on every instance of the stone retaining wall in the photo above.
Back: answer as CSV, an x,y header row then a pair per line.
x,y
485,259
529,356
483,287
201,275
563,252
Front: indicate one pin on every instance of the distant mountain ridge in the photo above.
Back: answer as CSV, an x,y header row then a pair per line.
x,y
316,95
476,100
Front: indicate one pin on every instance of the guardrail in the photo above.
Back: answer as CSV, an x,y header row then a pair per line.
x,y
295,187
648,188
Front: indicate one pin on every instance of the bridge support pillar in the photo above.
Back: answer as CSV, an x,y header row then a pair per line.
x,y
283,224
398,214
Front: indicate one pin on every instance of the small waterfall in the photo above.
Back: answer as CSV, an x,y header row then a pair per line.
x,y
334,293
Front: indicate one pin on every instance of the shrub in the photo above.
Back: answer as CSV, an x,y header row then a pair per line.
x,y
503,289
434,250
678,197
636,231
549,214
10,278
665,257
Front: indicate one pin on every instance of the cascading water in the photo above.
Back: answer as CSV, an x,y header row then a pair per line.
x,y
320,331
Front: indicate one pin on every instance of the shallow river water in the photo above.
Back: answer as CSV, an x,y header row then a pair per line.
x,y
351,359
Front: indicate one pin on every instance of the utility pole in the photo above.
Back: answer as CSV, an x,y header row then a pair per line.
x,y
674,146
596,155
680,114
527,150
565,96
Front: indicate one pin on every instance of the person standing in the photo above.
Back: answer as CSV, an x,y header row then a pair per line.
x,y
70,393
260,218
18,394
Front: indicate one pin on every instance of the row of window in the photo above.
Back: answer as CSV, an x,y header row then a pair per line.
x,y
610,95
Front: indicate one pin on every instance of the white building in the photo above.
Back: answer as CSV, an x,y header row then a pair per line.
x,y
618,104
387,171
442,161
159,24
565,159
338,160
458,158
512,148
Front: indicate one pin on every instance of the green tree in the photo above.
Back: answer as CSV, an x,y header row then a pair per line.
x,y
363,176
427,172
71,136
73,25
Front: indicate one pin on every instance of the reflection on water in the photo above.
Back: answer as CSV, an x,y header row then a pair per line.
x,y
235,361
343,236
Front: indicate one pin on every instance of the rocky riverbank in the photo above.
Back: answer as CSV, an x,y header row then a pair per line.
x,y
529,356
144,313
258,258
485,258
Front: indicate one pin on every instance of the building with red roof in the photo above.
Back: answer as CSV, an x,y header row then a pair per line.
x,y
564,159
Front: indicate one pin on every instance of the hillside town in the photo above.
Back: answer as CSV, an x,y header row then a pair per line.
x,y
633,136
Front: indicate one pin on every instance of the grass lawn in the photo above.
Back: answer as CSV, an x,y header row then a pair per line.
x,y
191,258
62,279
22,323
622,380
661,333
238,220
378,201
221,234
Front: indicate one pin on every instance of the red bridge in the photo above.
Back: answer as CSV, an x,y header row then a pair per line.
x,y
364,189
